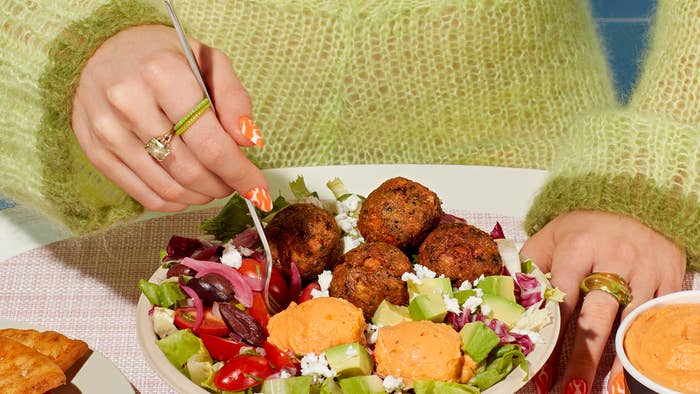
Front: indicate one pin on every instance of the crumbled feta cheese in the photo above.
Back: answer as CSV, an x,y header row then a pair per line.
x,y
350,242
423,271
351,203
472,303
245,251
324,280
410,276
317,367
466,285
345,222
451,304
477,280
485,309
371,332
231,256
479,292
393,385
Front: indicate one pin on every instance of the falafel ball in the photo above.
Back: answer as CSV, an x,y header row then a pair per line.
x,y
306,235
461,252
400,212
370,273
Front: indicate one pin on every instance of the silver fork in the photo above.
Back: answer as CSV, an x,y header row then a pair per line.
x,y
272,305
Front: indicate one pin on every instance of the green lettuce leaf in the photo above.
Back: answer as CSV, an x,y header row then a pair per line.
x,y
507,357
166,294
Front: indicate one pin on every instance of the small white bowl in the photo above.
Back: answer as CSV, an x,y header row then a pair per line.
x,y
636,381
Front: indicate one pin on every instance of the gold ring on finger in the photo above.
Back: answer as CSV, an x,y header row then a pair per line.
x,y
611,283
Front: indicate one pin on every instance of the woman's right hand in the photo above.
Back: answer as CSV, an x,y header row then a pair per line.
x,y
134,88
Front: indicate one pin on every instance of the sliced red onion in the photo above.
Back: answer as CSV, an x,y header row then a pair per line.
x,y
497,232
247,239
255,284
294,282
447,218
215,310
244,293
198,306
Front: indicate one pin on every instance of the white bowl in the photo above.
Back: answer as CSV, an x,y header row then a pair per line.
x,y
636,381
159,363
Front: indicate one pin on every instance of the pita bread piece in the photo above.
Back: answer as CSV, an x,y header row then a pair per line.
x,y
23,370
56,346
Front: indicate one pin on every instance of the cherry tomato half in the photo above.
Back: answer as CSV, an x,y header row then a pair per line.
x,y
306,293
259,311
223,349
212,325
279,358
242,372
279,289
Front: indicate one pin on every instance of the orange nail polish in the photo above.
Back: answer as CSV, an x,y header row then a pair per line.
x,y
250,131
260,198
617,384
576,386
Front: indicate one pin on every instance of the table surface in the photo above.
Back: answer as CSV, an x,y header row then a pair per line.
x,y
87,287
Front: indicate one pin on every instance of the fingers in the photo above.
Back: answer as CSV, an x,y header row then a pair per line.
x,y
233,104
616,382
210,143
539,249
142,112
114,169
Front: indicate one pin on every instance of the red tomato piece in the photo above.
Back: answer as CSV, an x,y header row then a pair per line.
x,y
279,358
223,349
259,311
212,325
279,289
242,372
306,293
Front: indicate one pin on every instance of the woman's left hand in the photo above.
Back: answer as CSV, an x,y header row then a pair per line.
x,y
577,243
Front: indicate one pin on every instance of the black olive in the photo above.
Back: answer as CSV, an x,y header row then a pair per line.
x,y
212,288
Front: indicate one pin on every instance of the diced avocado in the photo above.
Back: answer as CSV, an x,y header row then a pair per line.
x,y
368,384
502,309
423,307
351,359
425,386
498,285
464,295
330,386
434,288
388,314
292,385
478,340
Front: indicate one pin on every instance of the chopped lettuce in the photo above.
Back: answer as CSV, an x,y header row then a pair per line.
x,y
180,346
507,357
201,369
427,386
166,294
299,189
554,294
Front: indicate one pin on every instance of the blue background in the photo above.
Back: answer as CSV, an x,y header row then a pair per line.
x,y
623,26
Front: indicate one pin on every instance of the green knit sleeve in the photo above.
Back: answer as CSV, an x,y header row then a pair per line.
x,y
643,161
41,162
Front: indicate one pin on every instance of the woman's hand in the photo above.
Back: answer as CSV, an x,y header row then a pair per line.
x,y
134,88
577,243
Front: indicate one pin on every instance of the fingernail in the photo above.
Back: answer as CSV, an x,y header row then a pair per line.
x,y
617,384
577,386
545,377
250,131
260,198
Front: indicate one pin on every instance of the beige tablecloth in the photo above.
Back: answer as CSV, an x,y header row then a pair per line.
x,y
87,288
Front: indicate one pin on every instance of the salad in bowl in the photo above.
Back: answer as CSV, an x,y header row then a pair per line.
x,y
378,294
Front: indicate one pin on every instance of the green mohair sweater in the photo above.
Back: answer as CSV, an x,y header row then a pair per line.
x,y
519,83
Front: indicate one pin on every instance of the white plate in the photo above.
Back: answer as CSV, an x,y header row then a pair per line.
x,y
94,373
494,190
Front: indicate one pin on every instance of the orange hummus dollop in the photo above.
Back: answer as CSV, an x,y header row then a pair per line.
x,y
316,325
419,350
663,343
